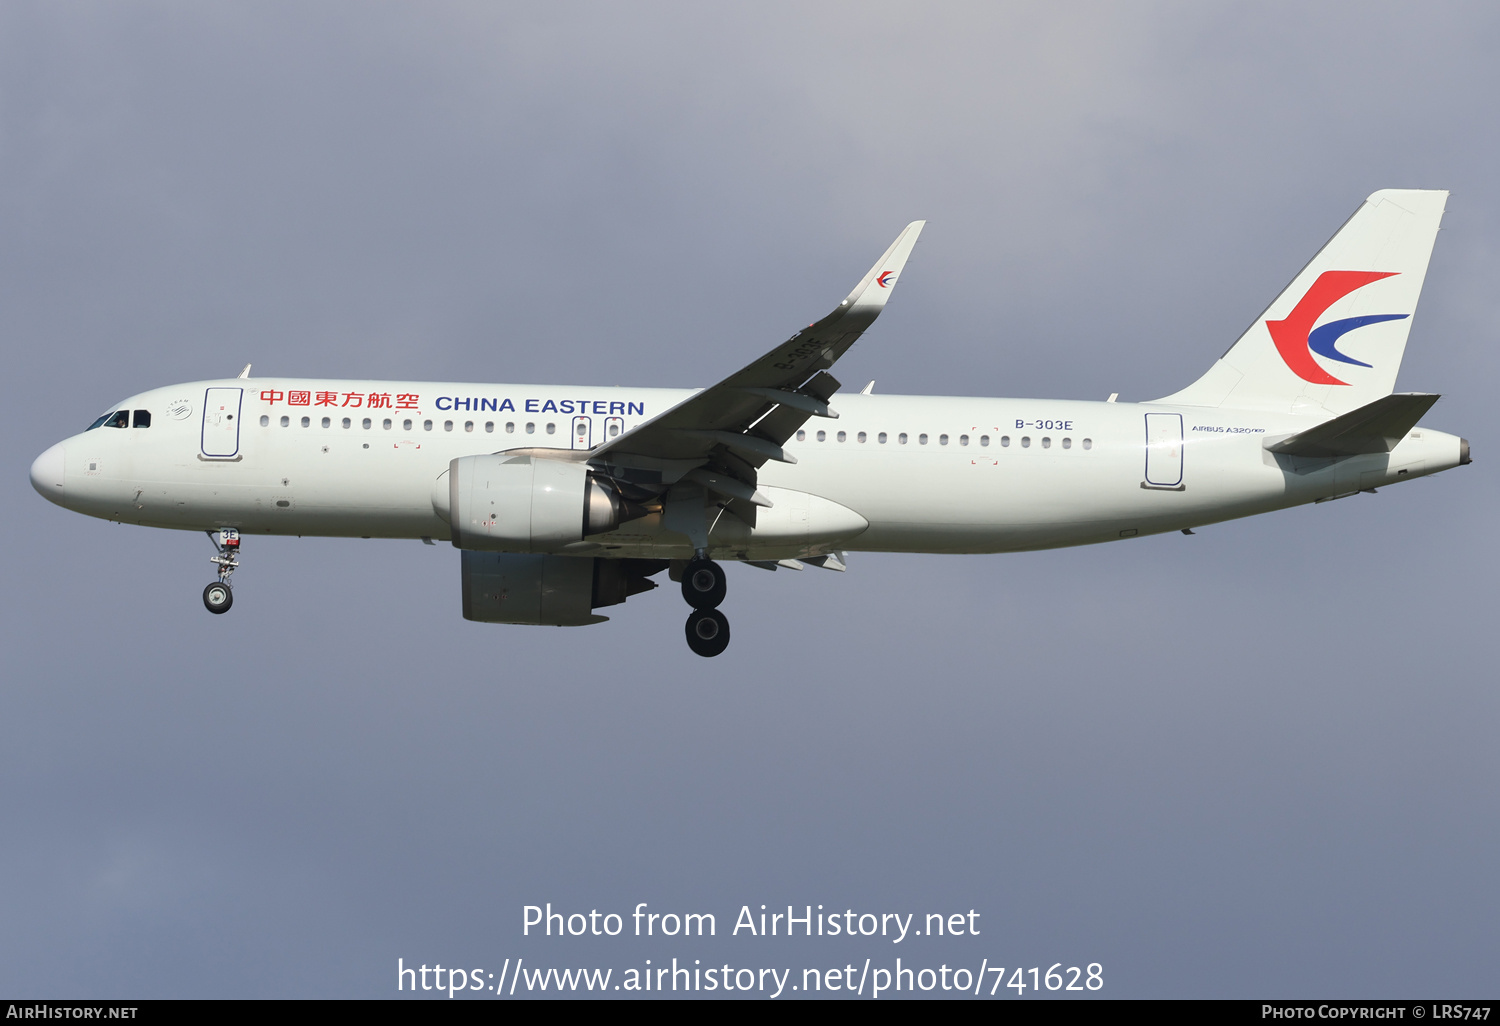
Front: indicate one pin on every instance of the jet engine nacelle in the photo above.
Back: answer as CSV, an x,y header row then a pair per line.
x,y
522,504
557,591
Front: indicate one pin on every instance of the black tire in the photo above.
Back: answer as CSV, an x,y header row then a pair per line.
x,y
703,584
217,597
707,632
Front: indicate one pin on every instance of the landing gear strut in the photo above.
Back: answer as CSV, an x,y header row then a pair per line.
x,y
704,586
218,596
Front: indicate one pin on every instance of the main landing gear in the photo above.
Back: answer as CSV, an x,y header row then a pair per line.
x,y
703,586
218,596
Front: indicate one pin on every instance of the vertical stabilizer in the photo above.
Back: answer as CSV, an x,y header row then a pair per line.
x,y
1333,340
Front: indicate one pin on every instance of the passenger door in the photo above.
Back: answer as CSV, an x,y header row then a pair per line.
x,y
221,423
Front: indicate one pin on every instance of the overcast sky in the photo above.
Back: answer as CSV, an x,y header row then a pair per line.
x,y
1259,761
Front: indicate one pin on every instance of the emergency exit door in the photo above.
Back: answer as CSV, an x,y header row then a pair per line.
x,y
583,432
221,422
1164,450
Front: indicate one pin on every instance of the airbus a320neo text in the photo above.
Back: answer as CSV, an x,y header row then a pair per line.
x,y
567,499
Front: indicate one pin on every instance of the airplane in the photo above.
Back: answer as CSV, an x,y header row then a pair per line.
x,y
567,499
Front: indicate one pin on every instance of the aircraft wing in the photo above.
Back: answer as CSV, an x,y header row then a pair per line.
x,y
721,435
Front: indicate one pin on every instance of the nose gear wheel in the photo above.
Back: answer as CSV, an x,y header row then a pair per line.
x,y
217,597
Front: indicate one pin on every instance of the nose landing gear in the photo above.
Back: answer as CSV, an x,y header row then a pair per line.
x,y
218,596
704,587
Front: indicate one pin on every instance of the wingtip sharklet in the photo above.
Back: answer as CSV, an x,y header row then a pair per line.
x,y
875,287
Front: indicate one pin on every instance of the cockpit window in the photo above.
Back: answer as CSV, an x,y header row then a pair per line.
x,y
142,418
99,422
119,420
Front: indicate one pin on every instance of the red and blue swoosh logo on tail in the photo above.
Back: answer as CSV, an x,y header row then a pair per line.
x,y
1296,339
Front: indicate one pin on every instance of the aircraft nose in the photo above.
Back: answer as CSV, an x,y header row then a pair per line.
x,y
47,473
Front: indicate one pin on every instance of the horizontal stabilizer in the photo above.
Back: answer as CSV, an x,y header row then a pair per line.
x,y
1373,428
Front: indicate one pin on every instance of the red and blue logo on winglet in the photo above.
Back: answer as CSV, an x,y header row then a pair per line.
x,y
884,281
1296,339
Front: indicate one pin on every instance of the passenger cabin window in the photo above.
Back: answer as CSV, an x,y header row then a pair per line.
x,y
1046,443
822,436
468,425
426,425
406,425
880,438
447,425
327,422
286,421
1067,443
510,427
1026,441
530,427
901,438
963,439
347,423
922,438
551,428
861,436
365,423
307,422
842,435
942,439
142,418
984,439
489,427
1088,443
801,435
1005,441
386,424
265,420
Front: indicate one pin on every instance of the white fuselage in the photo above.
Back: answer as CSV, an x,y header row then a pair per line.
x,y
892,473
